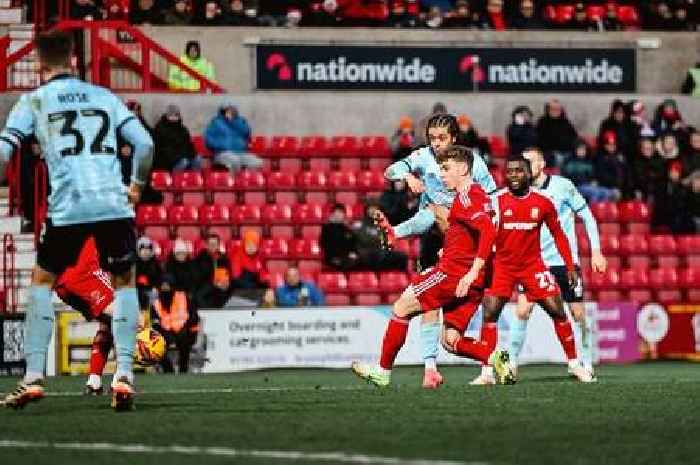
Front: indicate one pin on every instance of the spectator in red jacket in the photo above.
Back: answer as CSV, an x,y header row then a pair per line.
x,y
494,15
247,268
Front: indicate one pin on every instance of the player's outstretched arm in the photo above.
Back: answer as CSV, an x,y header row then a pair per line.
x,y
416,225
482,175
403,169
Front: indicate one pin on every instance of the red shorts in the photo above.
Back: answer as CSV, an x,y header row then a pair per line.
x,y
87,291
537,281
435,289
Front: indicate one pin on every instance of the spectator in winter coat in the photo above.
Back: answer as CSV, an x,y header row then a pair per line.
x,y
619,122
403,141
174,150
667,146
526,18
461,17
178,15
668,118
247,268
297,293
679,219
521,133
217,292
469,137
648,171
324,14
239,16
179,79
145,12
228,135
182,268
369,247
398,203
610,168
555,134
210,259
338,242
579,169
148,271
691,160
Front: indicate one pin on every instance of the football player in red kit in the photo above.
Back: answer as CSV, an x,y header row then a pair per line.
x,y
456,283
87,288
521,211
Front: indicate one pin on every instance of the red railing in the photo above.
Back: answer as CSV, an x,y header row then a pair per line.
x,y
9,291
105,55
14,182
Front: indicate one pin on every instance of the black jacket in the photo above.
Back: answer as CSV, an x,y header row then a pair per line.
x,y
172,143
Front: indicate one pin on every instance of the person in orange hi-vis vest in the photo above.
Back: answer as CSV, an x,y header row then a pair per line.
x,y
176,319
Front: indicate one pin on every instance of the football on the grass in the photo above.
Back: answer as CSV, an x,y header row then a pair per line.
x,y
150,347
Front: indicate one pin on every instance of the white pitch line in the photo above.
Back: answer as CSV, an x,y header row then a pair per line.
x,y
339,457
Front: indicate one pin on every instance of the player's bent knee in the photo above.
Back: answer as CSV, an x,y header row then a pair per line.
x,y
41,277
448,339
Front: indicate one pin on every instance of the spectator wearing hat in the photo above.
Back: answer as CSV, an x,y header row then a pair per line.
x,y
667,146
461,17
579,169
180,14
610,21
178,79
294,17
238,15
399,15
228,136
338,242
323,14
495,16
210,259
620,123
145,12
640,121
116,10
526,17
403,141
212,15
173,316
174,150
247,268
182,268
580,20
373,256
469,137
217,292
521,132
610,168
294,292
85,10
679,219
648,171
669,119
555,133
148,271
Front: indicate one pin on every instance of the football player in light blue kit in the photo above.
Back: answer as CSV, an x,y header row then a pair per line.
x,y
569,204
76,124
422,174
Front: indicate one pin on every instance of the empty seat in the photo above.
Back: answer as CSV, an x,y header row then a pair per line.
x,y
336,300
595,12
185,219
344,146
564,14
283,146
689,278
259,145
312,181
274,248
245,214
633,244
281,180
276,214
393,281
363,281
331,282
368,299
610,245
609,295
161,180
147,215
350,164
308,213
289,165
605,281
605,212
613,229
370,181
219,181
200,146
375,147
305,249
628,15
247,180
187,181
215,214
663,278
313,147
631,278
341,180
634,211
662,244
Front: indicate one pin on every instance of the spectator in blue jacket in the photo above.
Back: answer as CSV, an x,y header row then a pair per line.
x,y
297,293
228,135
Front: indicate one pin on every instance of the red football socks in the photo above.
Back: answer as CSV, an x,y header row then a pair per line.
x,y
394,338
566,337
479,350
101,345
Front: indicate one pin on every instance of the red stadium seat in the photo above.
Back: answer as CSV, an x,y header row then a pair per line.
x,y
565,13
185,219
337,300
214,214
688,244
305,249
371,181
368,299
363,281
259,145
595,12
290,165
281,181
161,180
200,146
610,228
634,211
312,181
639,296
393,281
550,13
378,164
308,213
332,282
605,212
283,146
347,198
350,164
689,278
609,295
633,244
245,214
610,245
628,15
310,267
147,215
344,146
219,181
662,244
247,180
310,231
375,147
663,278
274,248
276,214
631,278
313,147
341,180
605,281
187,181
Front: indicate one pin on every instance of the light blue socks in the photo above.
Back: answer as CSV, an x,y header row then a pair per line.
x,y
518,331
584,345
416,225
38,325
430,339
124,325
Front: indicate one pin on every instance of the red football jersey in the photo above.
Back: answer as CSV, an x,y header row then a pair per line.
x,y
470,233
520,220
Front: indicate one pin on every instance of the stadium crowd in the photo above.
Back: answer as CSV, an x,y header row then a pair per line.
x,y
593,15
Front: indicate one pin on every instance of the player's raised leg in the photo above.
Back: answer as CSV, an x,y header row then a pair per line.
x,y
554,306
38,325
518,330
405,307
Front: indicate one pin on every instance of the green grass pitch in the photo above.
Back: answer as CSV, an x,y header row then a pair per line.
x,y
637,414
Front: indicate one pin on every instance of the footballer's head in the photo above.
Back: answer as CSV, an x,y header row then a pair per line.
x,y
536,158
55,50
442,130
456,163
518,175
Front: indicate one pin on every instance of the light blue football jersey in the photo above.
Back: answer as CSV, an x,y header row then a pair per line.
x,y
423,163
76,125
569,203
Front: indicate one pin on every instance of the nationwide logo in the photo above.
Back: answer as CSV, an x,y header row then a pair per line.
x,y
277,62
469,64
341,69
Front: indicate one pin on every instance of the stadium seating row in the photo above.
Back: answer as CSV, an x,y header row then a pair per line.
x,y
564,13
